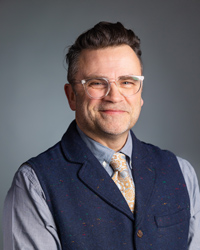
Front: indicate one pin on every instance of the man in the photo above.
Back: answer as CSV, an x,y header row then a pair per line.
x,y
82,194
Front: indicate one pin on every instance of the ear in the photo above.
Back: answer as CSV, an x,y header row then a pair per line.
x,y
71,96
142,102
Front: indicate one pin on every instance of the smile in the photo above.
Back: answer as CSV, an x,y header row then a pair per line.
x,y
111,111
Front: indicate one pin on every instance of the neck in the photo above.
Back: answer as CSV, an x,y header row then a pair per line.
x,y
114,142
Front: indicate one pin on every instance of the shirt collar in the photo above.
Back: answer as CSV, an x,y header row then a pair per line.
x,y
103,153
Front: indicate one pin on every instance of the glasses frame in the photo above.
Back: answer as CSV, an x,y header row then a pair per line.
x,y
84,81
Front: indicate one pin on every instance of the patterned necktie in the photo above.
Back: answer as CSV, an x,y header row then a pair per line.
x,y
122,178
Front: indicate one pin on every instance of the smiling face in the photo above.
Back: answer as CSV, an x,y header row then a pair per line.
x,y
109,119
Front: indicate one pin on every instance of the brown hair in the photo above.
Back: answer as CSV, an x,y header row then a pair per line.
x,y
102,35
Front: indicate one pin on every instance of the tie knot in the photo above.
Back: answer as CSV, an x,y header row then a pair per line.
x,y
118,162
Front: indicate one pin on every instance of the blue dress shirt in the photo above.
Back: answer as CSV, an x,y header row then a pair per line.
x,y
26,228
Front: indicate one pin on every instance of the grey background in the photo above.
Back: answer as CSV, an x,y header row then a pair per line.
x,y
34,111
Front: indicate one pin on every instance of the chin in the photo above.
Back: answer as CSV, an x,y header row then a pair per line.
x,y
115,131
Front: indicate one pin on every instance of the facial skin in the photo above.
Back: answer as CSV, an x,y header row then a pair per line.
x,y
107,120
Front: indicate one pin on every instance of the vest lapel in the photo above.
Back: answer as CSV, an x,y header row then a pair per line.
x,y
92,173
144,178
98,180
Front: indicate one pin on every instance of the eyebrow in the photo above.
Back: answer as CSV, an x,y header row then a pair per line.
x,y
95,76
127,76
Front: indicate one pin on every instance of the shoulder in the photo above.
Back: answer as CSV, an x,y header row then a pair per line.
x,y
26,180
189,174
192,184
186,168
145,149
47,154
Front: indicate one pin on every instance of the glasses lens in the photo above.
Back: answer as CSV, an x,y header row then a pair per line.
x,y
96,88
129,85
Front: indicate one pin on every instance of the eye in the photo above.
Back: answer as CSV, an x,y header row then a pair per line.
x,y
96,83
128,83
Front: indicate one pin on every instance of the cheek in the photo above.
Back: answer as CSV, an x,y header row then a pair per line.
x,y
135,107
84,105
134,102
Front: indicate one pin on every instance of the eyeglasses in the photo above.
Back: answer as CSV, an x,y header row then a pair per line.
x,y
98,88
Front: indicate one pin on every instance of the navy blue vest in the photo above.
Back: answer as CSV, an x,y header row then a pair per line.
x,y
91,213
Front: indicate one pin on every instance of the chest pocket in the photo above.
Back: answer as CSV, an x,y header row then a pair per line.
x,y
172,219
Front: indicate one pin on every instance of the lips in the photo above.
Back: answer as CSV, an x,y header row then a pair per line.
x,y
112,111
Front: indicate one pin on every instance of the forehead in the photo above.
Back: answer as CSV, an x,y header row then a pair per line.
x,y
110,61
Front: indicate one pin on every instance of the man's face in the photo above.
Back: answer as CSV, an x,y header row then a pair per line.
x,y
114,115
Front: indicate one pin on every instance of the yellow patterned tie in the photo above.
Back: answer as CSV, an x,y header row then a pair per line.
x,y
122,178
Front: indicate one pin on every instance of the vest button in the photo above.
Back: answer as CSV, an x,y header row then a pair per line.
x,y
140,233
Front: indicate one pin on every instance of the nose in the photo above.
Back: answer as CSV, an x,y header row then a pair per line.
x,y
114,94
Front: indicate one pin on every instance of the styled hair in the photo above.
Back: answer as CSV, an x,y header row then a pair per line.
x,y
102,35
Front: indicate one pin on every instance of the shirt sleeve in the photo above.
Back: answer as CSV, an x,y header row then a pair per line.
x,y
27,220
194,194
